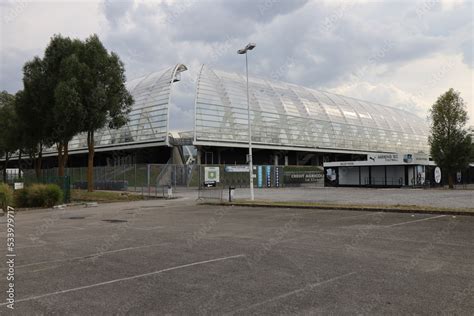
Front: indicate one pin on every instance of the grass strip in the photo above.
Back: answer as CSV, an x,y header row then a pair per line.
x,y
103,196
398,208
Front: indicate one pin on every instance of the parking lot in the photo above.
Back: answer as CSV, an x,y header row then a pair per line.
x,y
175,257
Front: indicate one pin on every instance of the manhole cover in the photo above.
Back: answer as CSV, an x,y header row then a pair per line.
x,y
114,220
76,217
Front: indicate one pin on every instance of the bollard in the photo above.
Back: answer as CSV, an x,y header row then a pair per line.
x,y
231,193
170,192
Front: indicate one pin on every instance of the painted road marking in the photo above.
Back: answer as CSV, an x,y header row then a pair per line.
x,y
282,296
91,256
124,279
415,221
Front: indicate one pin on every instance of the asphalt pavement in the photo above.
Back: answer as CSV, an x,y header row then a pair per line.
x,y
174,257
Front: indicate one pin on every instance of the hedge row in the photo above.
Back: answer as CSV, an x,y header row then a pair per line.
x,y
5,192
38,195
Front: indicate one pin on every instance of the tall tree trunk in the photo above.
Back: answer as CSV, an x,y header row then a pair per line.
x,y
5,168
59,147
450,180
38,161
65,154
20,167
62,157
90,162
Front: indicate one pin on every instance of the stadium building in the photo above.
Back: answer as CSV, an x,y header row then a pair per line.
x,y
291,124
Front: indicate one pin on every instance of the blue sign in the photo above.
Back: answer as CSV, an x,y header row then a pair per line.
x,y
268,171
277,177
259,176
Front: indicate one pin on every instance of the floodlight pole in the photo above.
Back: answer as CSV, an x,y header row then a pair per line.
x,y
252,197
249,46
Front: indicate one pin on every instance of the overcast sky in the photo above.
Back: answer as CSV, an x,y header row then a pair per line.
x,y
399,53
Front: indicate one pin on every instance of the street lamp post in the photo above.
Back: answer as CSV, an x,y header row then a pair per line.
x,y
249,46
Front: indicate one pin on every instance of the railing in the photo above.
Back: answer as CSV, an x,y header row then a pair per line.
x,y
150,180
381,181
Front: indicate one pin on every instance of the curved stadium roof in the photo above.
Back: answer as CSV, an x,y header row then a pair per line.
x,y
285,115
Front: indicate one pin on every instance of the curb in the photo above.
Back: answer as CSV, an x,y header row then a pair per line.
x,y
350,208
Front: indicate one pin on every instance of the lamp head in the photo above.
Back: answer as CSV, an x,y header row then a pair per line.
x,y
249,46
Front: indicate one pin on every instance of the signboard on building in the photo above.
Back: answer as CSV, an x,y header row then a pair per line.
x,y
237,168
211,176
382,159
307,176
331,174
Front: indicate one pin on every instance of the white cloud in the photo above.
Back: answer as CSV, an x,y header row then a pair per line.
x,y
388,94
387,52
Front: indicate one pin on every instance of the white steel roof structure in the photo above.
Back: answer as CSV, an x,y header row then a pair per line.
x,y
288,116
149,119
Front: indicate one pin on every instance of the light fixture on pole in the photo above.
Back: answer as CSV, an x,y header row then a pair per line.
x,y
243,51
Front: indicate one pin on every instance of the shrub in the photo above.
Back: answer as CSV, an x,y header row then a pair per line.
x,y
53,195
6,191
38,195
20,198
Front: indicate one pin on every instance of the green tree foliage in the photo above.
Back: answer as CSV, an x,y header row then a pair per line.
x,y
471,133
34,111
63,72
449,140
104,96
77,87
8,129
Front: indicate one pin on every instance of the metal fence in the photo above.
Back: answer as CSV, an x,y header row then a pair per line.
x,y
154,180
145,179
266,176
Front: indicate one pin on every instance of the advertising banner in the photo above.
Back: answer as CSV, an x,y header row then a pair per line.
x,y
307,176
277,176
237,168
211,176
260,176
268,172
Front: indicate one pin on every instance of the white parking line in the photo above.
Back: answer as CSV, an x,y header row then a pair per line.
x,y
415,221
124,279
44,243
306,288
353,216
147,228
96,254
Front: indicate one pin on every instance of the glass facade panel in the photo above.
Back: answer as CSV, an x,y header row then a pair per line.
x,y
148,119
293,116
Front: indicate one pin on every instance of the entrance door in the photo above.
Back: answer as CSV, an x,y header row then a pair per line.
x,y
208,158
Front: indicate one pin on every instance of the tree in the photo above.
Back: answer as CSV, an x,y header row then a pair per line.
x,y
449,140
77,87
8,128
105,99
34,111
63,72
471,133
